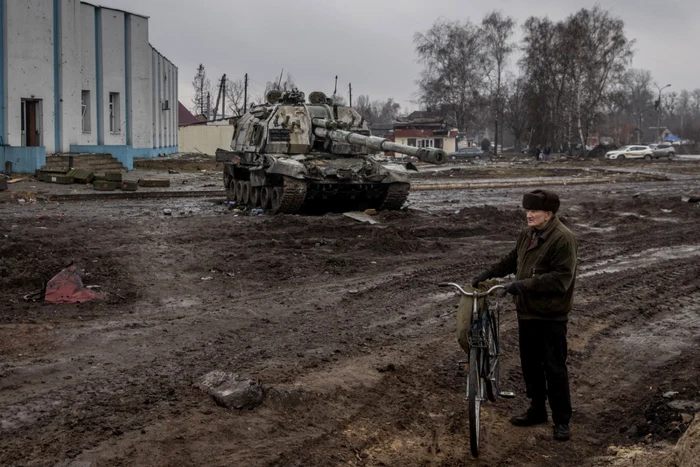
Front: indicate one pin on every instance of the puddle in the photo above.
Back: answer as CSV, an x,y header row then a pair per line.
x,y
641,259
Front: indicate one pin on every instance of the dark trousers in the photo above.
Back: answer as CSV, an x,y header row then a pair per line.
x,y
543,360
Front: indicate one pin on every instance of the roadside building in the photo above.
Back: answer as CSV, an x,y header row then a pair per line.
x,y
425,129
198,135
81,78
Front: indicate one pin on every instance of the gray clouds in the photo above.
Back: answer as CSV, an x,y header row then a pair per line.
x,y
370,43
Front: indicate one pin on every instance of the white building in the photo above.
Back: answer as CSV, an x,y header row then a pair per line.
x,y
78,77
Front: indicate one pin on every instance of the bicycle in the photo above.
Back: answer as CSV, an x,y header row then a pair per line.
x,y
482,363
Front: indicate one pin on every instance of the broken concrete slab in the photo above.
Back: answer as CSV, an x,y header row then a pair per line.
x,y
361,217
231,391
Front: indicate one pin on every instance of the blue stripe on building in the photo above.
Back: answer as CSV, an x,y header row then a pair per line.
x,y
127,75
153,96
56,76
159,108
98,76
2,72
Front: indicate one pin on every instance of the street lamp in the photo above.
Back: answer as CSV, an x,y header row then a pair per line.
x,y
658,110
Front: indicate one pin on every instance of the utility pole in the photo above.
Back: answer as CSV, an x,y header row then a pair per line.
x,y
658,111
223,96
245,94
350,87
208,106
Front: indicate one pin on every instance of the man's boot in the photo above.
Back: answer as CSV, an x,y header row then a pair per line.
x,y
560,432
533,416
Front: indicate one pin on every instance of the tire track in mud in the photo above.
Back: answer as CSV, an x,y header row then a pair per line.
x,y
304,332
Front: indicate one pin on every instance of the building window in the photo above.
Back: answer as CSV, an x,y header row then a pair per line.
x,y
438,143
426,143
412,142
114,114
85,109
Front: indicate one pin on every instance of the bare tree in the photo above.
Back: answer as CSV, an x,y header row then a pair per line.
x,y
234,96
453,59
497,30
202,88
377,111
515,111
574,68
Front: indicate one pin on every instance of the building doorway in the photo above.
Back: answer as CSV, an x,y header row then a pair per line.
x,y
31,122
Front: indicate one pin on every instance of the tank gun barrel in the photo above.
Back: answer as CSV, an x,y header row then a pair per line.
x,y
327,129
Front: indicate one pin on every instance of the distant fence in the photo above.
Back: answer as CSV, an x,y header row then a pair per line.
x,y
204,139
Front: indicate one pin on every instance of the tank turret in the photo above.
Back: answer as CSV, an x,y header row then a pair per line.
x,y
289,155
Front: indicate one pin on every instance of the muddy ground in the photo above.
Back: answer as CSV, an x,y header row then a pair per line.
x,y
343,325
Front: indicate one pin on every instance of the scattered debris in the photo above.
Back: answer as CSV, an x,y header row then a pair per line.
x,y
371,212
685,406
360,216
154,182
171,171
129,185
113,176
168,212
67,287
231,391
81,175
669,394
385,368
207,278
691,199
104,185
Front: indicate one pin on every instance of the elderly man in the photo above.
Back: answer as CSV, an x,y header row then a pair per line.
x,y
544,264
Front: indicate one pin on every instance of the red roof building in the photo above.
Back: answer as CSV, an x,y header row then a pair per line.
x,y
185,117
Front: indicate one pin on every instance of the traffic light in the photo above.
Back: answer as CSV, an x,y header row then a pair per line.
x,y
657,103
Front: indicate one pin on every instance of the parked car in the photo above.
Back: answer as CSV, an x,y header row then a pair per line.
x,y
664,150
630,152
473,153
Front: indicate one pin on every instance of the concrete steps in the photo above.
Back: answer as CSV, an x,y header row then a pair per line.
x,y
96,163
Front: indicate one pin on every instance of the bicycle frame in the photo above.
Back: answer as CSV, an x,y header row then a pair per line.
x,y
481,372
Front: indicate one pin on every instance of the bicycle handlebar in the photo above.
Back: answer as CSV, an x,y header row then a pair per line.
x,y
477,294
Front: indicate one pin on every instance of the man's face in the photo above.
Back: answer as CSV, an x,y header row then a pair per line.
x,y
536,218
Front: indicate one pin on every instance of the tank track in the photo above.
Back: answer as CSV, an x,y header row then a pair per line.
x,y
396,195
293,196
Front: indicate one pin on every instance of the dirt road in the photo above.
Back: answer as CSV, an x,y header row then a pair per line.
x,y
343,325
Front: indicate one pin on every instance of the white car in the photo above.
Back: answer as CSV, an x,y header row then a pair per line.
x,y
630,152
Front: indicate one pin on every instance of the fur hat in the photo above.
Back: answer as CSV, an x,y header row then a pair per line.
x,y
541,200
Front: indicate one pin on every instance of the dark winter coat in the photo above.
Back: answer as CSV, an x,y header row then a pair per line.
x,y
548,267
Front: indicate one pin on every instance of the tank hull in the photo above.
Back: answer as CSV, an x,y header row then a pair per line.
x,y
315,185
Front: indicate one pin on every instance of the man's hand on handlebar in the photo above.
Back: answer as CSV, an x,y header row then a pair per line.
x,y
481,277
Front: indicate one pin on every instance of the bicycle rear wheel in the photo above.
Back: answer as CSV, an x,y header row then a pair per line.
x,y
492,370
474,394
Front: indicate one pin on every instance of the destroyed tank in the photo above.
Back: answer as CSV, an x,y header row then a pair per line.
x,y
290,155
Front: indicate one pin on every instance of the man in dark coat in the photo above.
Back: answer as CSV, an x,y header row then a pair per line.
x,y
544,263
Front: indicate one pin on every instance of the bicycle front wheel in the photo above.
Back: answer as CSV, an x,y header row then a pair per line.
x,y
492,372
474,394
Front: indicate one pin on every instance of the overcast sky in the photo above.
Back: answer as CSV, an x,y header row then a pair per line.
x,y
369,43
